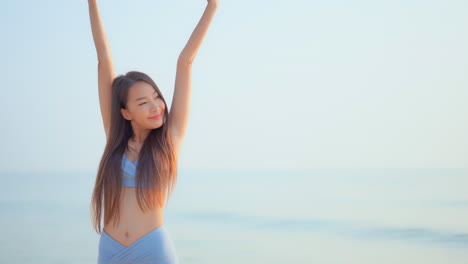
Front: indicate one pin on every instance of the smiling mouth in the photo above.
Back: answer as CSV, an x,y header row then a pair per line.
x,y
156,116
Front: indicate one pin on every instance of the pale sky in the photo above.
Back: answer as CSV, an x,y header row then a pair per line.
x,y
275,85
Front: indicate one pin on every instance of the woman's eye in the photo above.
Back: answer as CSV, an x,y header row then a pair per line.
x,y
145,102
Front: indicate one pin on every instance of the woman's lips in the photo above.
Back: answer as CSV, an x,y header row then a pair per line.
x,y
156,117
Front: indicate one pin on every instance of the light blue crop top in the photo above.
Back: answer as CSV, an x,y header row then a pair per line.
x,y
129,172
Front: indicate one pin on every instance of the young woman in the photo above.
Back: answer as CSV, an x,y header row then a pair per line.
x,y
138,169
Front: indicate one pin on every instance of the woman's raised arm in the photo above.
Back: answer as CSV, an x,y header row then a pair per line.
x,y
105,67
178,116
193,45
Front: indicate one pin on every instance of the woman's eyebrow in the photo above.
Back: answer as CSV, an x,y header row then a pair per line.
x,y
143,97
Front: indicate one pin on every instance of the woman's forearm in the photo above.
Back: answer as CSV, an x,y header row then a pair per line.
x,y
191,48
99,36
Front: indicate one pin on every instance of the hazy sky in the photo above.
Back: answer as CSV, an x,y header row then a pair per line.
x,y
275,84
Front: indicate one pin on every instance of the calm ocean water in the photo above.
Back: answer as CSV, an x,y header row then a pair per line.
x,y
320,216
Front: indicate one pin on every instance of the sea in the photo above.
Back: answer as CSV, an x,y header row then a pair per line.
x,y
323,216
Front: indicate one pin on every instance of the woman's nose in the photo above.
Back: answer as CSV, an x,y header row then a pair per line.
x,y
156,106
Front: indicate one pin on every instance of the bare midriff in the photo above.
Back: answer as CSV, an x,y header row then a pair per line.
x,y
134,223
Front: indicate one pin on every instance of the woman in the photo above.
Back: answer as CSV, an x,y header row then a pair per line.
x,y
138,169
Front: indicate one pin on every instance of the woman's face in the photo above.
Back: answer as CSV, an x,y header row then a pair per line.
x,y
144,102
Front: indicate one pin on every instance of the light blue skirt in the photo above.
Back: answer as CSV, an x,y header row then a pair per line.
x,y
155,247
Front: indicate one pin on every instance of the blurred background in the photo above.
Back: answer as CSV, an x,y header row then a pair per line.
x,y
319,132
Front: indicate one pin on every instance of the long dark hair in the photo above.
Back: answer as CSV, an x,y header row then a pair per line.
x,y
157,161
